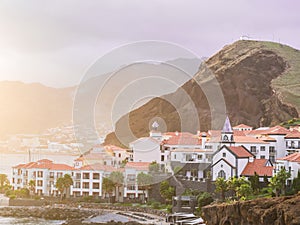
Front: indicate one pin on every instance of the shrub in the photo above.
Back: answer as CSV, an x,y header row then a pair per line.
x,y
12,196
155,205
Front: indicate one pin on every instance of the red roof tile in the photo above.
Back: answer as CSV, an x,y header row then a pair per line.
x,y
44,164
277,130
181,138
100,167
138,165
240,151
259,166
247,139
295,157
241,126
293,135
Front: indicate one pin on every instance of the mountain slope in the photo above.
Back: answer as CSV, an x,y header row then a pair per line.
x,y
33,108
260,82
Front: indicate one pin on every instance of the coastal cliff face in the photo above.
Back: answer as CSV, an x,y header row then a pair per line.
x,y
264,211
260,83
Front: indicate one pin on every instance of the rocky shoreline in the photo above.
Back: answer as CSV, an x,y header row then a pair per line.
x,y
262,211
49,213
81,214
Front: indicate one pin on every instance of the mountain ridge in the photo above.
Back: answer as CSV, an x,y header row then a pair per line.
x,y
259,81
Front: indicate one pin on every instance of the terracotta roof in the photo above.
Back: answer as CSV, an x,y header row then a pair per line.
x,y
242,126
293,135
181,138
240,151
267,139
113,148
247,139
295,157
260,166
100,167
138,165
277,130
190,150
44,164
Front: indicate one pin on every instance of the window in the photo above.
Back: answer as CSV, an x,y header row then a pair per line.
x,y
262,156
271,149
262,148
222,174
119,155
96,176
85,185
162,158
39,183
77,185
51,174
224,154
225,138
253,149
199,157
131,187
86,175
40,173
59,175
96,185
131,178
174,156
78,176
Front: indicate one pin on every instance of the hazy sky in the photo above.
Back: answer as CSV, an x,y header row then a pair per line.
x,y
54,42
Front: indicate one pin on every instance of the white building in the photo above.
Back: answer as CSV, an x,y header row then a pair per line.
x,y
131,188
146,149
230,161
43,172
291,163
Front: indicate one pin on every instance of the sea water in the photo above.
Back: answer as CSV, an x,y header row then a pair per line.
x,y
28,221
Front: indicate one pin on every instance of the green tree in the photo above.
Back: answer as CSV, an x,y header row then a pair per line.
x,y
221,187
107,186
144,181
117,178
3,180
31,185
244,190
254,180
278,182
296,183
204,199
166,191
154,167
63,184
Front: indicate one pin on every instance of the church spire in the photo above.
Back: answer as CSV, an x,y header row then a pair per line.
x,y
227,132
227,126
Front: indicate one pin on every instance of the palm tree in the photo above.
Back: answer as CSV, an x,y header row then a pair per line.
x,y
63,184
3,180
31,185
144,181
108,186
117,178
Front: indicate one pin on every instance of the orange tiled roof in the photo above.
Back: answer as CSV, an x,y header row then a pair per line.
x,y
181,138
240,151
247,139
44,164
242,126
113,148
277,130
138,165
100,167
295,157
293,135
259,166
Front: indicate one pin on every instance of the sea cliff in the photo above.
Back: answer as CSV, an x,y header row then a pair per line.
x,y
263,211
